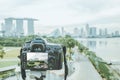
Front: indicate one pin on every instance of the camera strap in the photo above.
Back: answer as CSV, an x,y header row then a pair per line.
x,y
65,63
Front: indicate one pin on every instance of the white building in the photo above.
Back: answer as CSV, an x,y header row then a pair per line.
x,y
92,32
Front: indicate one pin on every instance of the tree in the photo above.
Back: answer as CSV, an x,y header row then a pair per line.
x,y
2,53
81,48
68,41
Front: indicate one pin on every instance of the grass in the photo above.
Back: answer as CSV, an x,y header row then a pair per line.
x,y
13,53
8,63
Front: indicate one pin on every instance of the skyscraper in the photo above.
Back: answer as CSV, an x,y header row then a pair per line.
x,y
86,30
8,25
92,32
116,33
15,26
81,32
106,33
19,26
100,32
103,32
30,26
63,31
76,32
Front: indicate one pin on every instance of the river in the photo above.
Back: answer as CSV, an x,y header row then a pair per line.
x,y
106,48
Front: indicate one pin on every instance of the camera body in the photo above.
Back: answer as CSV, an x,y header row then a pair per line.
x,y
37,54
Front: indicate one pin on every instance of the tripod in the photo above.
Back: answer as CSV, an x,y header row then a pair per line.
x,y
42,76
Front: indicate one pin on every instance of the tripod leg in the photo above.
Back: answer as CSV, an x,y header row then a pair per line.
x,y
43,75
41,78
23,73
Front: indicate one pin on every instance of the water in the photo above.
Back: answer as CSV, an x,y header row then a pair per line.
x,y
106,48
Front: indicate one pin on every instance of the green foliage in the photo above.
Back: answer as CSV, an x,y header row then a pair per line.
x,y
1,47
104,71
2,53
14,41
100,65
82,48
91,54
68,41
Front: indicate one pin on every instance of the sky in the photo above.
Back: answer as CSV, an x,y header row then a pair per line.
x,y
55,13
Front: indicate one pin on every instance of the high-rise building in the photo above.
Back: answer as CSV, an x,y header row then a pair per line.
x,y
103,32
30,25
63,31
76,32
106,33
92,32
100,32
116,33
2,30
19,27
2,26
86,30
8,25
81,32
15,26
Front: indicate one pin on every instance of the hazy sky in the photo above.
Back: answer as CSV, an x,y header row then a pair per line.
x,y
63,12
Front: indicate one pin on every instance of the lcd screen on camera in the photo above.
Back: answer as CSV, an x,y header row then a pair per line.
x,y
37,60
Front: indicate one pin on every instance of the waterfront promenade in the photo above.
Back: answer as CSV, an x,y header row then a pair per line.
x,y
84,70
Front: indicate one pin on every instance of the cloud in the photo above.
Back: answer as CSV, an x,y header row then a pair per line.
x,y
61,12
8,6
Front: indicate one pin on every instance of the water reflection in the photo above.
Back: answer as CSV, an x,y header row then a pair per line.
x,y
106,48
91,44
102,43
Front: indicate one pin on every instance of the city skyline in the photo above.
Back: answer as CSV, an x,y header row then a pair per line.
x,y
21,26
53,14
16,26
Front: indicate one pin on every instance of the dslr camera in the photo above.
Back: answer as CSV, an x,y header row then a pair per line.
x,y
40,55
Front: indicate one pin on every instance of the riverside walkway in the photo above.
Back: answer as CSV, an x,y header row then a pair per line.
x,y
84,70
